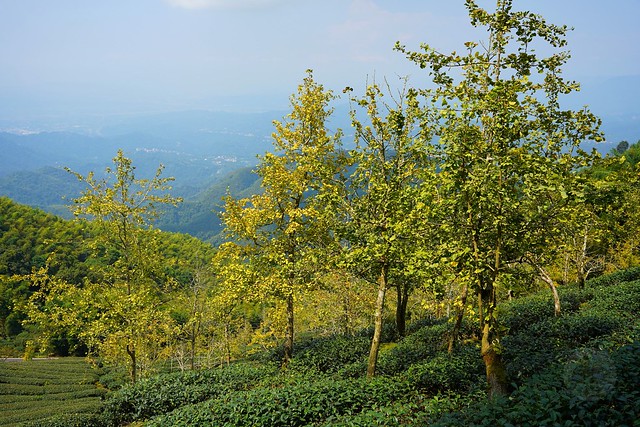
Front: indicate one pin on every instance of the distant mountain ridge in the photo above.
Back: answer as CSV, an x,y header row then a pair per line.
x,y
199,215
205,152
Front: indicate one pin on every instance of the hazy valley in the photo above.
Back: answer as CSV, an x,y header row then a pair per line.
x,y
206,152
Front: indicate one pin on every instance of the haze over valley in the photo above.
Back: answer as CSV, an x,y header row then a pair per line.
x,y
195,85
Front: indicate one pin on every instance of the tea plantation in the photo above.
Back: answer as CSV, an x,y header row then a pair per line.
x,y
579,369
47,392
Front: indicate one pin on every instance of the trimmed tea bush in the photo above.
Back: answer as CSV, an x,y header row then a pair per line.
x,y
43,392
615,278
329,354
418,347
414,411
601,314
164,393
596,388
462,371
296,405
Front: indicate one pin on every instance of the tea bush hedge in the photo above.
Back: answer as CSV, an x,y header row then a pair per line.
x,y
164,393
422,345
600,314
615,278
39,392
297,405
595,388
329,354
462,371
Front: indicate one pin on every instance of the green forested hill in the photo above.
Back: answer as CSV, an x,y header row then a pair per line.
x,y
28,239
198,215
48,188
29,236
31,239
53,190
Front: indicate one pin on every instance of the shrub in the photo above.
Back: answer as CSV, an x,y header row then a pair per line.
x,y
329,354
422,345
615,278
415,410
551,340
624,299
595,388
518,315
572,299
68,420
352,370
296,405
164,393
460,372
537,339
41,392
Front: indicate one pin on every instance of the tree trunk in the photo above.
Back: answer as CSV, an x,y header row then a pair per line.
x,y
495,370
401,309
544,275
346,315
288,341
134,368
455,333
193,350
377,330
227,344
494,366
582,275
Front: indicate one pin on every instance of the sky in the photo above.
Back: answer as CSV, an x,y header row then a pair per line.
x,y
60,57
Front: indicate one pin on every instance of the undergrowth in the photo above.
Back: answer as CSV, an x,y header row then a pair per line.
x,y
580,368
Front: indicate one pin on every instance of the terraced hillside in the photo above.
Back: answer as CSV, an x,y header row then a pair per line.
x,y
47,392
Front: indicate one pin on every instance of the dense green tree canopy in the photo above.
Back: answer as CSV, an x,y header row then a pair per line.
x,y
507,150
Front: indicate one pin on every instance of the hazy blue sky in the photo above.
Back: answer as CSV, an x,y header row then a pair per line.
x,y
106,56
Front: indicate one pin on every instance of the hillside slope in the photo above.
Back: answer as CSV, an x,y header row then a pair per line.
x,y
582,368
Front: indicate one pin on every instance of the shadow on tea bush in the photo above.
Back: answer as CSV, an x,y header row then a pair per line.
x,y
418,347
462,371
594,388
329,354
164,393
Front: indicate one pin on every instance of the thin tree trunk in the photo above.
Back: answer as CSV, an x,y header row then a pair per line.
x,y
377,330
288,342
134,368
227,344
346,316
544,275
582,274
193,350
401,310
455,333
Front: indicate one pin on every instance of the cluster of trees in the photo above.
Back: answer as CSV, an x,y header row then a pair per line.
x,y
474,188
453,196
59,278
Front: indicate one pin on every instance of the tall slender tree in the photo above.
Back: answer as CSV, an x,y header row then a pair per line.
x,y
375,207
123,311
278,234
507,150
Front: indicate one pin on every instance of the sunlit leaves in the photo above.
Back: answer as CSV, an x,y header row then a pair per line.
x,y
120,316
277,238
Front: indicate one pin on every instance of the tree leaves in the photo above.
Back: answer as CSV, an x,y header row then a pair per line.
x,y
276,236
